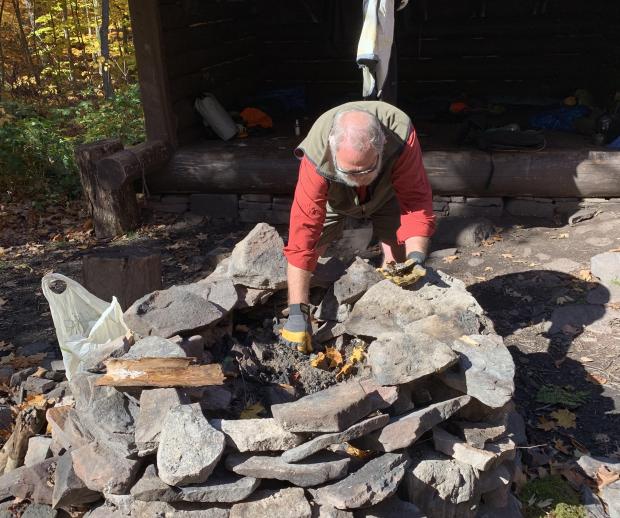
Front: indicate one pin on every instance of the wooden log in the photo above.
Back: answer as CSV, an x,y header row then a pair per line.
x,y
29,423
127,274
122,167
114,212
160,372
230,168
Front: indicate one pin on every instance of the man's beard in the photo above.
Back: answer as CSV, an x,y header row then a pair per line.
x,y
362,180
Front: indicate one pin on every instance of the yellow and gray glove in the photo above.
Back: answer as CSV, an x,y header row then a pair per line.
x,y
407,273
297,331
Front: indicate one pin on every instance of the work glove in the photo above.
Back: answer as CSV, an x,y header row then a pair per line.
x,y
297,331
407,273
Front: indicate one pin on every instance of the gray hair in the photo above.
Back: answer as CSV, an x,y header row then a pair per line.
x,y
360,138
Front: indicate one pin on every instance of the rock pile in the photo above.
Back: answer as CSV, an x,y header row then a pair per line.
x,y
424,426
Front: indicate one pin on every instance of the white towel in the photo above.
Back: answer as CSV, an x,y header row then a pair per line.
x,y
375,44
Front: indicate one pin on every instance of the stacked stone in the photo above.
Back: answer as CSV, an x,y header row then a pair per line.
x,y
425,428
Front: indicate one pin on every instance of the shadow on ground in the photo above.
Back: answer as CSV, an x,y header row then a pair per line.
x,y
542,316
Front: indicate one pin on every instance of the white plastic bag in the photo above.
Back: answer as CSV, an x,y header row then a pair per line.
x,y
82,321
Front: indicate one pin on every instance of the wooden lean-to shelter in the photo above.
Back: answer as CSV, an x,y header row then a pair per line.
x,y
296,58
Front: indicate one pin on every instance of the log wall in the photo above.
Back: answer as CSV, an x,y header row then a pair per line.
x,y
209,46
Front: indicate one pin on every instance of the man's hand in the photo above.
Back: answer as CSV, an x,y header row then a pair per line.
x,y
298,329
407,273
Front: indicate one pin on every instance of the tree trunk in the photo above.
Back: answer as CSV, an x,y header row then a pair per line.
x,y
126,274
24,43
114,212
104,44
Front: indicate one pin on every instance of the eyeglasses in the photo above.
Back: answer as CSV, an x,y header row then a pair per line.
x,y
357,173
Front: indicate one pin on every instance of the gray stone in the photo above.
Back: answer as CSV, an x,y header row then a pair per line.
x,y
328,331
481,459
475,261
323,441
39,511
444,252
177,310
404,430
179,461
36,385
221,292
285,503
562,264
154,405
355,282
20,376
329,309
397,358
221,487
600,241
385,308
462,232
582,215
442,487
216,398
532,208
155,347
216,206
142,509
331,410
607,268
122,503
104,469
256,434
327,511
445,327
69,489
105,412
250,297
377,480
258,260
590,465
67,428
392,507
38,450
512,509
478,434
315,470
486,370
30,482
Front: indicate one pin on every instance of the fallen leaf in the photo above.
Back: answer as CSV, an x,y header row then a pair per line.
x,y
334,356
450,258
468,340
546,424
2,302
544,503
585,275
614,250
563,300
575,479
319,361
252,411
604,476
488,269
559,445
564,418
476,254
585,359
564,235
596,378
508,256
357,453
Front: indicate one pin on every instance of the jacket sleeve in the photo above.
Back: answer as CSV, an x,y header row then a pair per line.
x,y
413,192
307,217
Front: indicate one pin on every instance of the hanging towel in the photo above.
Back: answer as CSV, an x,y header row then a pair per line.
x,y
375,45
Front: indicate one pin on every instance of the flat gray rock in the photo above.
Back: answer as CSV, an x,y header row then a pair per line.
x,y
610,494
377,480
29,482
385,308
141,509
103,468
331,410
256,434
404,430
155,347
39,511
221,487
562,264
154,405
441,486
398,358
258,260
355,282
323,441
286,503
170,312
38,450
179,459
392,507
69,489
478,434
486,370
315,470
67,429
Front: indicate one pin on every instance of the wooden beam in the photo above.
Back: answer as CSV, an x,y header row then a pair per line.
x,y
160,372
154,86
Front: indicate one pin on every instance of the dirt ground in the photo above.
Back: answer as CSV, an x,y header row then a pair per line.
x,y
568,382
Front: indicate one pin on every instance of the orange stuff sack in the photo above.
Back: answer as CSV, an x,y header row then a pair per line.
x,y
254,117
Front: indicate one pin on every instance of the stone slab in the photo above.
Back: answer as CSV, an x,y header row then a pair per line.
x,y
256,434
285,503
154,405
